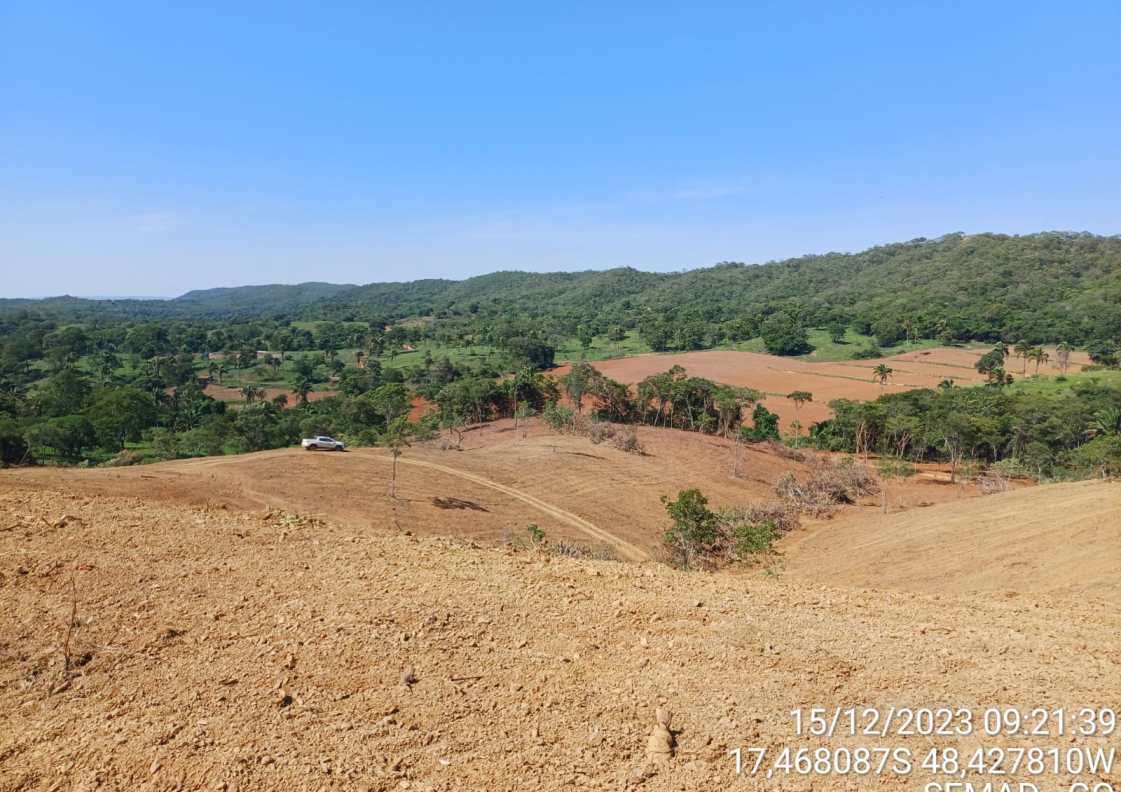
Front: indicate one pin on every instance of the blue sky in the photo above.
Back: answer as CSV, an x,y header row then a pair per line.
x,y
151,150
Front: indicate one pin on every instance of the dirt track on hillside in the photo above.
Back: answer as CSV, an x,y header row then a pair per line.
x,y
213,649
591,495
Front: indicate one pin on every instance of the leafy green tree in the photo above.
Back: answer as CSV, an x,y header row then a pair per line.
x,y
585,336
64,393
120,415
694,526
65,437
783,335
1104,353
837,330
764,425
799,398
578,382
13,447
889,331
391,400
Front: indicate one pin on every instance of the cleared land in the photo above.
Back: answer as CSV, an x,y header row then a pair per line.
x,y
1060,538
222,650
502,480
851,379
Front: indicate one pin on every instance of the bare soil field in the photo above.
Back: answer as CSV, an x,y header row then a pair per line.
x,y
1058,538
592,495
149,645
851,379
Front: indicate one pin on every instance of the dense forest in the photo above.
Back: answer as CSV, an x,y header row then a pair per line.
x,y
119,381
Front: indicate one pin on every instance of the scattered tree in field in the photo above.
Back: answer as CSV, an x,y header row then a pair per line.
x,y
396,438
578,382
694,525
1039,355
252,393
1023,351
882,373
836,330
301,390
799,398
1062,356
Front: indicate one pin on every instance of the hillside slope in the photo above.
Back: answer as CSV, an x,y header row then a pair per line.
x,y
1057,538
215,650
592,495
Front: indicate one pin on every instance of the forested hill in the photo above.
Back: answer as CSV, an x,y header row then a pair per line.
x,y
272,297
1041,286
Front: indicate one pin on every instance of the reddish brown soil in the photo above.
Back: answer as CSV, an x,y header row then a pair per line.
x,y
219,650
228,394
503,480
777,376
1059,538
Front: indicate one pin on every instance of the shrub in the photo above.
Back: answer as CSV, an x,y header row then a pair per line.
x,y
626,439
124,458
558,417
891,467
694,529
598,431
829,484
753,538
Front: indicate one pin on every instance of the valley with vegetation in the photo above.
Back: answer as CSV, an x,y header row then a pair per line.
x,y
590,530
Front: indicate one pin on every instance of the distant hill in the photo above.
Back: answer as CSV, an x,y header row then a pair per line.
x,y
267,298
1039,286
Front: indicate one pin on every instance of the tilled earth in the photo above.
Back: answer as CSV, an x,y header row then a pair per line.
x,y
148,646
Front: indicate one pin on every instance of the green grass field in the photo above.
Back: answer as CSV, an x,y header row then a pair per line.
x,y
1054,385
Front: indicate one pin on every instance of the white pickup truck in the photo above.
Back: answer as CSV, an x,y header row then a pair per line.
x,y
322,443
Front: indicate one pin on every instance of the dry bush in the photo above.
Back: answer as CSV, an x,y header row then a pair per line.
x,y
784,451
124,458
598,431
829,484
626,439
781,514
572,550
991,481
445,443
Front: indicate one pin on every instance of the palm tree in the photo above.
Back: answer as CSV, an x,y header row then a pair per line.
x,y
1106,421
252,393
882,373
302,389
1023,350
1039,355
1063,351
